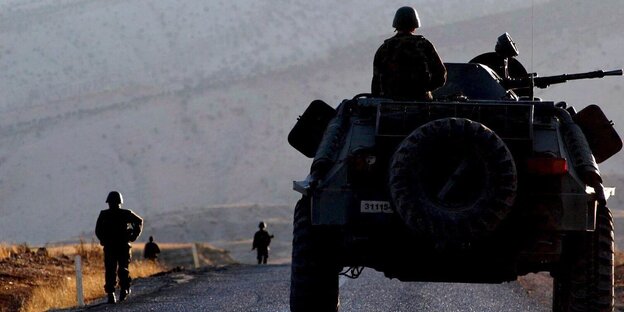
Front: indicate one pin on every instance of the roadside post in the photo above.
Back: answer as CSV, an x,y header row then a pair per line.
x,y
195,256
79,292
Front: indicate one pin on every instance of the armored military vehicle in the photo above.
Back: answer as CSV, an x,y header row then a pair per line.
x,y
480,186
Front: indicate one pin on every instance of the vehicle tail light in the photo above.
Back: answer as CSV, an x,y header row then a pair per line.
x,y
547,166
363,162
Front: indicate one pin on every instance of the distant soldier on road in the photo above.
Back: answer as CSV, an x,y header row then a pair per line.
x,y
151,250
115,229
407,66
261,242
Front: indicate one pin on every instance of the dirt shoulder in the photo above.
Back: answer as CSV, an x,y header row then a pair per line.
x,y
25,270
27,274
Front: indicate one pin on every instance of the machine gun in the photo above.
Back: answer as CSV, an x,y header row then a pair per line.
x,y
544,82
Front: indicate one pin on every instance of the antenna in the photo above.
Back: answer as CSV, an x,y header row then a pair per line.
x,y
532,31
532,75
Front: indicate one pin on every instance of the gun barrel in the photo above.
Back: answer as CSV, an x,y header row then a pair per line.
x,y
617,72
543,82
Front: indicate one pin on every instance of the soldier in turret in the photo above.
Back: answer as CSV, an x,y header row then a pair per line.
x,y
407,66
116,228
261,242
503,61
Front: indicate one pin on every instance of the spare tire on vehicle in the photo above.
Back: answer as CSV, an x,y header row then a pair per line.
x,y
452,180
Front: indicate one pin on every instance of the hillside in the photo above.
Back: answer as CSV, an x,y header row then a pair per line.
x,y
187,106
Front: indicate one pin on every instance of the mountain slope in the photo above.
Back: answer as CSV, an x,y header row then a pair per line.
x,y
189,105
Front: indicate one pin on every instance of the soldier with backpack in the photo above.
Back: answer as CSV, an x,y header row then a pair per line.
x,y
407,66
116,228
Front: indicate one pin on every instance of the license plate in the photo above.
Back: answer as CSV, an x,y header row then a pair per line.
x,y
375,206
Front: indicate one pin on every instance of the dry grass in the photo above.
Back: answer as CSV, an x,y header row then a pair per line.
x,y
164,246
5,251
39,279
145,268
619,257
84,249
63,293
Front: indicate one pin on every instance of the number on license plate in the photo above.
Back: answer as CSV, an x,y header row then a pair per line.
x,y
375,206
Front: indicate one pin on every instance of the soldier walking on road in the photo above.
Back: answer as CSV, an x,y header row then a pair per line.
x,y
407,66
151,250
115,229
261,242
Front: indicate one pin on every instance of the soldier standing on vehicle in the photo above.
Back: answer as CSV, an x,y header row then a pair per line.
x,y
151,250
407,66
115,229
261,242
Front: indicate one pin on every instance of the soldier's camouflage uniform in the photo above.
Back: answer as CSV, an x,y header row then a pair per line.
x,y
116,228
407,67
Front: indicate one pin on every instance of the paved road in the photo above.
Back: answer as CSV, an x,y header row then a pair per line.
x,y
265,289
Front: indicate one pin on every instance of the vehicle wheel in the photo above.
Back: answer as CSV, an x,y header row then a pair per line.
x,y
585,279
452,180
314,274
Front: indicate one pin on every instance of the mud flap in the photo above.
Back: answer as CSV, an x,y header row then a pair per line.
x,y
603,140
307,133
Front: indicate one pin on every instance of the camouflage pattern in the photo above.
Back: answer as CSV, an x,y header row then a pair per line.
x,y
407,67
116,228
261,242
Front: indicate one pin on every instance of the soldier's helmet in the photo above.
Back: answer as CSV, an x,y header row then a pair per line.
x,y
262,225
114,197
505,46
406,18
